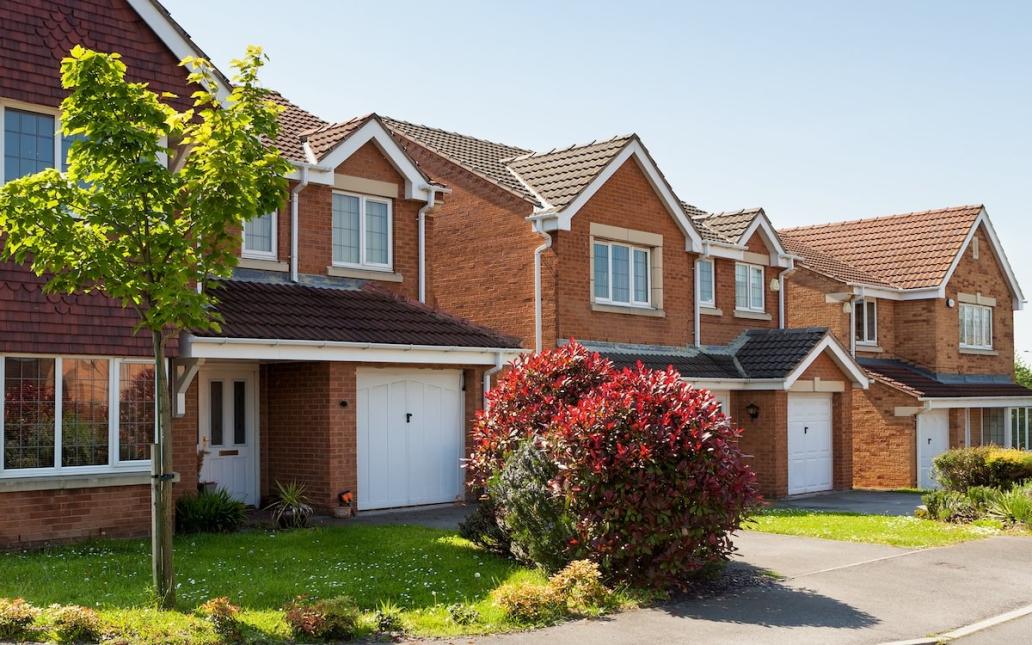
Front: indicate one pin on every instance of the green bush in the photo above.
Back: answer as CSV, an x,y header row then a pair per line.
x,y
525,602
16,619
207,512
222,614
579,584
961,468
463,614
540,530
949,506
981,497
75,624
481,528
332,619
388,618
1013,506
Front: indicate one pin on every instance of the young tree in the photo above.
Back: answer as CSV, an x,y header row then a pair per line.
x,y
150,207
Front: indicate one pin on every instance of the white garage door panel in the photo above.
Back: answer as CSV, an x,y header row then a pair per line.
x,y
933,439
809,443
409,437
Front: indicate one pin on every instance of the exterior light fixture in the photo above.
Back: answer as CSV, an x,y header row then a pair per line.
x,y
752,410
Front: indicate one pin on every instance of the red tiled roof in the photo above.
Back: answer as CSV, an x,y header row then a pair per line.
x,y
907,251
827,265
368,315
293,123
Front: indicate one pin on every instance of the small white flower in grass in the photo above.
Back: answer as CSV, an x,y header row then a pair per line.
x,y
476,575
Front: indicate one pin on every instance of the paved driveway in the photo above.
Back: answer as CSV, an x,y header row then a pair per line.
x,y
869,502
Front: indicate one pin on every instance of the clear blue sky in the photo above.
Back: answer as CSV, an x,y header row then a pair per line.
x,y
814,110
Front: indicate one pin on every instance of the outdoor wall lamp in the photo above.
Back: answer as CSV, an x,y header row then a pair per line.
x,y
752,410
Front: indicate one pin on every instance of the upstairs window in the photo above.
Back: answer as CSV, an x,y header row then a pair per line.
x,y
361,231
29,143
976,327
707,297
622,274
748,287
865,321
260,237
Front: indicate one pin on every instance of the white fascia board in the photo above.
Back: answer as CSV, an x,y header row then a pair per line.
x,y
1012,281
416,185
980,402
737,384
778,255
838,354
720,250
635,150
256,349
173,38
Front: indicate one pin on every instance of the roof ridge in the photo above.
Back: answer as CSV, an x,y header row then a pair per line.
x,y
863,220
390,119
573,146
328,125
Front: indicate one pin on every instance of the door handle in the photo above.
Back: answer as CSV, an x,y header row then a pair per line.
x,y
408,417
929,441
805,428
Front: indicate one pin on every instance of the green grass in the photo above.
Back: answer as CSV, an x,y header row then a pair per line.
x,y
419,569
908,532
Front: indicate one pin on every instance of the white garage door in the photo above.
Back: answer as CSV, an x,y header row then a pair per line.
x,y
933,439
410,437
809,443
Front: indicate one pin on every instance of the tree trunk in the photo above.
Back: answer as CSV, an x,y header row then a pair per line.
x,y
163,512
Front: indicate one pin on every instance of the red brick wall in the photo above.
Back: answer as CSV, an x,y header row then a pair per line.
x,y
883,444
764,439
722,329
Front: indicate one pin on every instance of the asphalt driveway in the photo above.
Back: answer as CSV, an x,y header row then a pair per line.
x,y
868,502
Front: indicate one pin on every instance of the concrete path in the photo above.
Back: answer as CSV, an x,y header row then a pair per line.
x,y
869,502
1014,631
439,516
834,592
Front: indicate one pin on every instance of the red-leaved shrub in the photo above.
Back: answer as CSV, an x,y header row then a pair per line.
x,y
651,470
526,400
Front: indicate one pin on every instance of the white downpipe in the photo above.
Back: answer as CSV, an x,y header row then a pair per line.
x,y
781,293
294,201
698,315
538,323
489,373
422,241
852,327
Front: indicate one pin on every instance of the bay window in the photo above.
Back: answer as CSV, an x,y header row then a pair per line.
x,y
865,321
748,287
622,274
976,327
706,286
361,231
75,415
260,237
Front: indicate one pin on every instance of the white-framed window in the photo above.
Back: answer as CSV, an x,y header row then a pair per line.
x,y
865,321
260,237
748,287
622,274
976,326
75,415
707,284
362,231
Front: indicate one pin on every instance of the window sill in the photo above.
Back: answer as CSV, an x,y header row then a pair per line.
x,y
753,315
634,311
979,352
263,265
68,482
710,311
364,274
866,347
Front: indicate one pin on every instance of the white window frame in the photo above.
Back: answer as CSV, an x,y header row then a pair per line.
x,y
260,255
115,464
989,332
712,302
6,104
363,263
631,248
862,304
751,269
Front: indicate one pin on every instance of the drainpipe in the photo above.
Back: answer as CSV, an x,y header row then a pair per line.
x,y
422,241
294,200
781,293
489,373
698,283
852,326
538,332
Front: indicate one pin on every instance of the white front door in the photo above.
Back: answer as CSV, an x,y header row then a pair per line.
x,y
933,439
410,437
809,443
228,430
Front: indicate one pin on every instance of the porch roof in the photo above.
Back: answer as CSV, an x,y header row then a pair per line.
x,y
927,385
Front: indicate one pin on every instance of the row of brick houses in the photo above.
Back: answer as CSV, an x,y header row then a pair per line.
x,y
409,264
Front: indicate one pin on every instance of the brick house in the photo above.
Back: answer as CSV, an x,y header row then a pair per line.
x,y
925,302
590,242
328,369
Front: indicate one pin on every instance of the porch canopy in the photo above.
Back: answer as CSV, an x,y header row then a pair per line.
x,y
938,391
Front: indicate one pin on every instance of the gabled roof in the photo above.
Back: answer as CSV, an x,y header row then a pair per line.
x,y
558,176
730,225
825,264
924,385
294,123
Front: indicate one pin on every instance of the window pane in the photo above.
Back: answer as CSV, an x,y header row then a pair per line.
x,y
872,321
29,413
239,413
706,281
84,412
993,426
258,234
741,286
641,276
66,145
345,229
601,271
756,288
858,319
28,143
136,411
621,274
215,409
376,232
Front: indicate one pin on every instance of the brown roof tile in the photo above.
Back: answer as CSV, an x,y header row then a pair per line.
x,y
558,176
293,123
323,139
825,264
907,251
728,226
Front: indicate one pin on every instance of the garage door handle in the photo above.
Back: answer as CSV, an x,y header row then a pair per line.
x,y
929,441
805,428
408,417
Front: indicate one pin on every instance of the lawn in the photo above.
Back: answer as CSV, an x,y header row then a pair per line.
x,y
908,532
420,570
